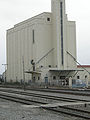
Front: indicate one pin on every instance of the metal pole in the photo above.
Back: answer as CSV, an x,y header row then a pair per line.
x,y
80,65
23,74
5,71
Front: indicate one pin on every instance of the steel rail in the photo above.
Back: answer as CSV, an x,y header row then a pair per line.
x,y
71,92
19,99
61,110
58,91
45,96
72,113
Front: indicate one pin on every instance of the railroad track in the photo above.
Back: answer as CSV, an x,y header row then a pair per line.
x,y
72,112
70,92
45,96
60,109
19,99
62,91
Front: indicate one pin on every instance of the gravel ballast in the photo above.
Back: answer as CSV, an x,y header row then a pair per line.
x,y
15,111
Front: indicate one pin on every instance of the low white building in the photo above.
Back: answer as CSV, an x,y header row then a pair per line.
x,y
83,75
48,41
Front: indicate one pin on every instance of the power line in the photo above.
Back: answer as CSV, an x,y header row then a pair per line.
x,y
42,57
77,62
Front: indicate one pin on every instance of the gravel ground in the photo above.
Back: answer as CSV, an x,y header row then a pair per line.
x,y
15,111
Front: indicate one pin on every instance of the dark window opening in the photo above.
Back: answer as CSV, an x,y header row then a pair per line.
x,y
41,66
38,78
49,66
48,19
85,76
34,78
78,77
54,77
33,36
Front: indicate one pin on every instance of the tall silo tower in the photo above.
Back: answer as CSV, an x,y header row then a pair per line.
x,y
59,32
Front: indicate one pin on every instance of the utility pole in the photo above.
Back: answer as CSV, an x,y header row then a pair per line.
x,y
23,74
5,71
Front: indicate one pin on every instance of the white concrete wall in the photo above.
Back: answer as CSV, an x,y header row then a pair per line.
x,y
56,27
47,36
71,45
83,73
20,46
69,37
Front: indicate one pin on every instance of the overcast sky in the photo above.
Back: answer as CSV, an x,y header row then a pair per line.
x,y
15,11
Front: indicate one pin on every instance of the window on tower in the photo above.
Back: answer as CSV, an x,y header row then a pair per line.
x,y
48,19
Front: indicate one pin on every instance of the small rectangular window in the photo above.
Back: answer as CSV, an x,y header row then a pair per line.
x,y
33,36
85,76
34,78
54,77
78,77
38,78
41,66
49,66
48,19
